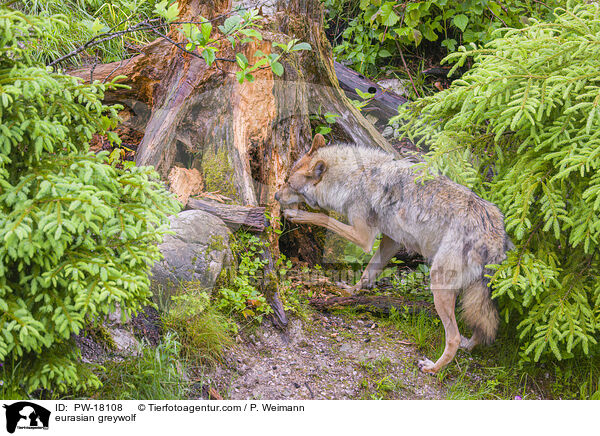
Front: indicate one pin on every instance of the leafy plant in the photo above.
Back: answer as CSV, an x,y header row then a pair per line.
x,y
414,281
358,260
420,328
522,128
366,97
325,121
373,30
241,295
78,235
240,28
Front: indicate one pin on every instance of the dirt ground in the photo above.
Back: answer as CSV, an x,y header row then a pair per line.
x,y
324,357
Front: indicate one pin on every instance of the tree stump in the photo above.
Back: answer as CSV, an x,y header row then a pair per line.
x,y
243,138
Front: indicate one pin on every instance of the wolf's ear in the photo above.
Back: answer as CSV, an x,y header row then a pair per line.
x,y
318,170
318,142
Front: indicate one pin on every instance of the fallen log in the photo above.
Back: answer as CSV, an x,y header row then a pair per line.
x,y
383,105
234,216
376,303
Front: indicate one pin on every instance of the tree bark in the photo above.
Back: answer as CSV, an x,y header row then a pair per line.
x,y
383,105
248,217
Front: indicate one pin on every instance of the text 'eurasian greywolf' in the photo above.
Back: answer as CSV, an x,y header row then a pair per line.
x,y
457,231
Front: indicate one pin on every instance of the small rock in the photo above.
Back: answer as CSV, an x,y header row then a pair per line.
x,y
124,341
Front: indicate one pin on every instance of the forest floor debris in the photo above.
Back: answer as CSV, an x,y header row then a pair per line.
x,y
327,356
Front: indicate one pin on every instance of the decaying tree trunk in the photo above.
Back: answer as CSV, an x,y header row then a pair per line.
x,y
243,138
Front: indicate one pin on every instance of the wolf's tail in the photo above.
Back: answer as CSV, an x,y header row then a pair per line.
x,y
479,311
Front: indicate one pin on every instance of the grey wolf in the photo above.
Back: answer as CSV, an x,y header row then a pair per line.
x,y
457,231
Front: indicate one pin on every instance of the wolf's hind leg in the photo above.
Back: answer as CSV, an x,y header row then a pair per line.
x,y
387,249
444,300
468,344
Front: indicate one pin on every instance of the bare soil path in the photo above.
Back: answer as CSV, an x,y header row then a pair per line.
x,y
324,357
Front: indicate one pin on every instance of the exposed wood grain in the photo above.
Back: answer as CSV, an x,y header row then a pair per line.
x,y
234,216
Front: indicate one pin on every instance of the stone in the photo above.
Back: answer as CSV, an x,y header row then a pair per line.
x,y
124,340
197,252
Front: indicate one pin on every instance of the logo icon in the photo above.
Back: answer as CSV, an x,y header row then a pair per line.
x,y
26,415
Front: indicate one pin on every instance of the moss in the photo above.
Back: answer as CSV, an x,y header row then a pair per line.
x,y
102,336
270,285
225,277
216,243
217,172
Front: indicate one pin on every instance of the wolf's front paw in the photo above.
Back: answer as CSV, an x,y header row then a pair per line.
x,y
426,366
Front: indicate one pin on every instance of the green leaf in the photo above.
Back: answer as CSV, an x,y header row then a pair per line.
x,y
301,46
209,55
172,12
230,24
460,21
330,117
323,130
387,15
252,33
95,27
261,63
450,44
241,60
277,68
417,37
168,13
364,95
206,29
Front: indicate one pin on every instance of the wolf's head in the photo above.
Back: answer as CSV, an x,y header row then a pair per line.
x,y
305,175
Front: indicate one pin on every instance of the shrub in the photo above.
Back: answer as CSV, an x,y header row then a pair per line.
x,y
78,235
82,20
522,128
375,29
